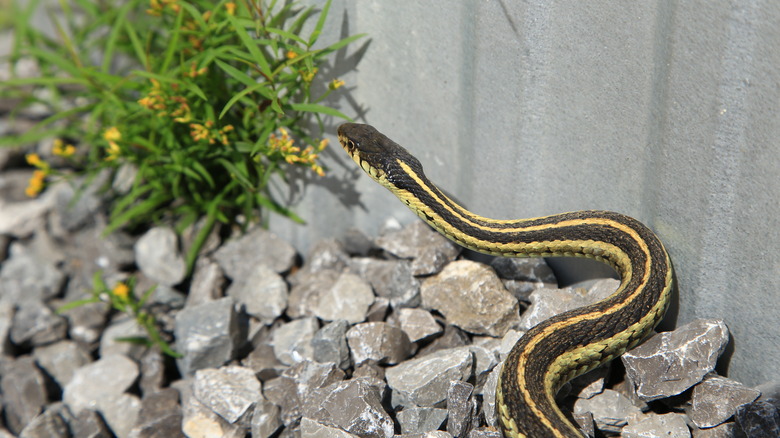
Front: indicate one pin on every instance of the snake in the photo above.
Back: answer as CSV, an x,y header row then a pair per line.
x,y
563,346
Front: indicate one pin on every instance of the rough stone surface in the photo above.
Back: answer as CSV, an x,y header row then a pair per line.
x,y
160,416
52,423
669,363
425,381
207,282
610,409
667,425
305,294
257,247
349,299
379,342
62,360
25,277
471,296
759,419
546,303
229,391
330,344
391,279
265,418
429,250
108,377
158,257
24,393
462,408
292,341
421,420
716,399
522,276
262,293
36,324
418,324
355,406
207,335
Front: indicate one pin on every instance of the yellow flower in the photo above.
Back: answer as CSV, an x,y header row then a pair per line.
x,y
231,8
336,84
112,134
308,76
34,160
291,54
121,290
35,185
60,149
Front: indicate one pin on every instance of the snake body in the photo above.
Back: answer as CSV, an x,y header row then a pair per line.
x,y
568,344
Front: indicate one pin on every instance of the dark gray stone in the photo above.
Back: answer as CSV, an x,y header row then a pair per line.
x,y
265,419
24,393
461,408
420,420
390,279
51,423
760,419
230,391
61,360
329,344
257,247
425,381
292,341
353,405
89,424
716,399
262,293
429,250
36,324
379,342
207,335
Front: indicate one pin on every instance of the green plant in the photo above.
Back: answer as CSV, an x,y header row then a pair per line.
x,y
215,99
122,298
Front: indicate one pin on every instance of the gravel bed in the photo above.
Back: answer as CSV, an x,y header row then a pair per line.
x,y
402,334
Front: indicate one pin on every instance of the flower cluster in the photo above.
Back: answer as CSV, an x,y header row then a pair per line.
x,y
207,132
38,179
174,106
112,136
285,146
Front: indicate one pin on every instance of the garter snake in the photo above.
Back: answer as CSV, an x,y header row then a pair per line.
x,y
566,345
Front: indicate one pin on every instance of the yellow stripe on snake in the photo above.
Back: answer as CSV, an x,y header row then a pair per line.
x,y
568,344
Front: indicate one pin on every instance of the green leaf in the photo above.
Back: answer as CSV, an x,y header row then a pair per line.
x,y
257,55
236,73
317,108
320,24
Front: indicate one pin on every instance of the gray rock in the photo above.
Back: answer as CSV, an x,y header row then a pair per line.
x,y
262,293
106,378
390,279
379,342
453,337
20,219
489,397
669,363
25,277
418,324
356,243
522,276
61,360
715,399
329,344
305,294
354,406
7,310
52,423
230,391
89,424
725,430
470,296
349,299
36,324
85,323
123,326
314,429
610,410
429,250
152,365
265,419
207,282
24,393
120,411
157,255
88,251
482,432
294,386
77,204
462,408
420,420
199,421
759,419
207,335
257,247
326,254
425,381
263,362
546,303
292,341
649,425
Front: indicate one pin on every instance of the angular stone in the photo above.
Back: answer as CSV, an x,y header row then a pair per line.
x,y
88,251
418,324
108,377
123,326
314,429
330,344
153,371
489,397
390,279
349,299
424,381
89,424
462,408
7,310
420,420
265,419
470,296
52,423
262,293
36,324
24,393
292,341
207,335
157,255
546,303
650,425
305,294
326,254
356,243
379,342
429,250
483,432
263,362
715,399
296,383
759,419
257,247
120,411
725,430
453,337
610,410
229,391
26,278
522,276
86,194
20,219
86,322
160,416
200,421
207,282
354,406
669,363
61,360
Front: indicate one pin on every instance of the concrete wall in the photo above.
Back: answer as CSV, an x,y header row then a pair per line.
x,y
666,111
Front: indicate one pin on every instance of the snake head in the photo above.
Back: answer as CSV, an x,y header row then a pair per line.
x,y
381,158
